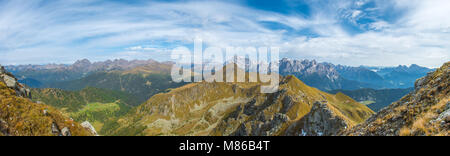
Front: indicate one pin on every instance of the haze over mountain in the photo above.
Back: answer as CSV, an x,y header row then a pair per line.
x,y
401,76
327,76
42,75
142,81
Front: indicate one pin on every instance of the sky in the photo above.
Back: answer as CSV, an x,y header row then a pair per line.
x,y
348,32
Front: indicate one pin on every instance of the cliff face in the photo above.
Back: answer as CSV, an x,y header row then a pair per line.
x,y
422,112
19,116
324,76
240,109
320,121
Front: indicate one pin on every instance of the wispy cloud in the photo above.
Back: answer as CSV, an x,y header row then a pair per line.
x,y
348,32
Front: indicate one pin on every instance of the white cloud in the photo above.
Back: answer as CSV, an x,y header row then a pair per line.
x,y
64,31
379,25
356,13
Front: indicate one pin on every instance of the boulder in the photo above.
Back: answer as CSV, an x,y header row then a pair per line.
x,y
55,129
89,127
12,83
321,121
66,132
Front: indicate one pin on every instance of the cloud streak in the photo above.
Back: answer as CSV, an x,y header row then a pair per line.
x,y
360,32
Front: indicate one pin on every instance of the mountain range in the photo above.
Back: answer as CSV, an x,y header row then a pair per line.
x,y
324,76
375,99
39,76
327,76
143,79
240,109
139,98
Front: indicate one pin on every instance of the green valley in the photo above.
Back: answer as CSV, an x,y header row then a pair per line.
x,y
376,99
90,104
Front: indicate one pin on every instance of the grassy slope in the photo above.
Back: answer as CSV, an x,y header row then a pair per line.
x,y
90,104
376,99
141,82
415,114
75,100
202,108
25,118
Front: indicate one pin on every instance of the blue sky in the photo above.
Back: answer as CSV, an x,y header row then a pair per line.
x,y
349,32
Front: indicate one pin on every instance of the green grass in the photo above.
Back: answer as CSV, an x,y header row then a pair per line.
x,y
97,113
97,106
93,108
375,99
141,86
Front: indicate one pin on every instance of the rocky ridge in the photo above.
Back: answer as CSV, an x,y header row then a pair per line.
x,y
425,111
239,109
19,116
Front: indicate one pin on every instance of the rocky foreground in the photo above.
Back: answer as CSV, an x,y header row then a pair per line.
x,y
424,112
19,116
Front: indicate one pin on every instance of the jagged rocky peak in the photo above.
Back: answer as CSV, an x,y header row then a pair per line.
x,y
308,67
12,83
82,63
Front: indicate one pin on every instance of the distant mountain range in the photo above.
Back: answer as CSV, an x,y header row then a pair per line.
x,y
401,76
324,76
327,76
39,76
142,79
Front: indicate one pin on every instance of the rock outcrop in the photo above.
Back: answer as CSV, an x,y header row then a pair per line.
x,y
19,116
320,121
422,112
89,127
11,82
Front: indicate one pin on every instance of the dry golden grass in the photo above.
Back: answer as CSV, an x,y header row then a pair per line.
x,y
25,118
405,131
202,108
